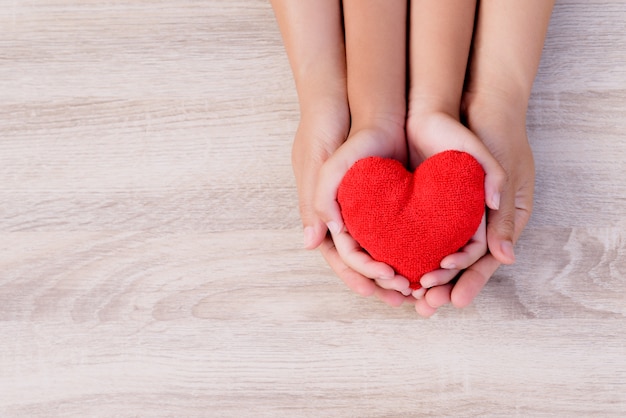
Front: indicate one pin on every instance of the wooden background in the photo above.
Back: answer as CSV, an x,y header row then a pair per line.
x,y
150,244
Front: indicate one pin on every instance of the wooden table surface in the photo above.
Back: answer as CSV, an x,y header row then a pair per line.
x,y
150,243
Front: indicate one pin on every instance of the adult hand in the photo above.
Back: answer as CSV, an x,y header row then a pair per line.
x,y
500,124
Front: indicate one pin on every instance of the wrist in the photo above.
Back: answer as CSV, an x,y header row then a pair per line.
x,y
502,109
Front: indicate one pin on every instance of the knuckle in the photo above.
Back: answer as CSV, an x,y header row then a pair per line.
x,y
307,211
507,225
502,227
319,210
501,176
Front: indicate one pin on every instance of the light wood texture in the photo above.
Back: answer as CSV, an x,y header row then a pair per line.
x,y
150,245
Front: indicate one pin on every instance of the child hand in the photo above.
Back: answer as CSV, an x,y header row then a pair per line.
x,y
387,143
356,281
430,133
375,40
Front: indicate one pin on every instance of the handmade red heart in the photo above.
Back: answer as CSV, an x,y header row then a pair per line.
x,y
411,221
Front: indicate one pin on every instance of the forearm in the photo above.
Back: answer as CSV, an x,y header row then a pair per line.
x,y
440,38
312,32
375,33
507,49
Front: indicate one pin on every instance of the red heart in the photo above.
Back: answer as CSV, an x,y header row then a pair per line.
x,y
411,221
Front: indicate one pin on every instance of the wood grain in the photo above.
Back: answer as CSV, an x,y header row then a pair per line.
x,y
150,243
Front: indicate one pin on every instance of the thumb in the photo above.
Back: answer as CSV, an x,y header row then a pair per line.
x,y
314,227
501,229
326,207
495,175
360,145
306,173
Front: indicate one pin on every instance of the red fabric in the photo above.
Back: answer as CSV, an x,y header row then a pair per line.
x,y
411,221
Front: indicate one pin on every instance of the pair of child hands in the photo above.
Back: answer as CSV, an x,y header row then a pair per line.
x,y
412,221
411,225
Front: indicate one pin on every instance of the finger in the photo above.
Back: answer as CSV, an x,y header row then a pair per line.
x,y
501,229
466,256
438,296
355,281
475,277
462,139
438,277
306,165
419,293
330,176
473,280
314,232
390,297
358,260
495,176
314,229
358,146
471,252
397,283
424,309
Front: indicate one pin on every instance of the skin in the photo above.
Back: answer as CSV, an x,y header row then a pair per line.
x,y
375,51
440,39
313,35
376,93
349,91
507,46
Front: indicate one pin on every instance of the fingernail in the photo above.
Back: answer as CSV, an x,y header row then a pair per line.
x,y
495,201
407,291
308,236
448,266
428,283
507,249
333,227
419,293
